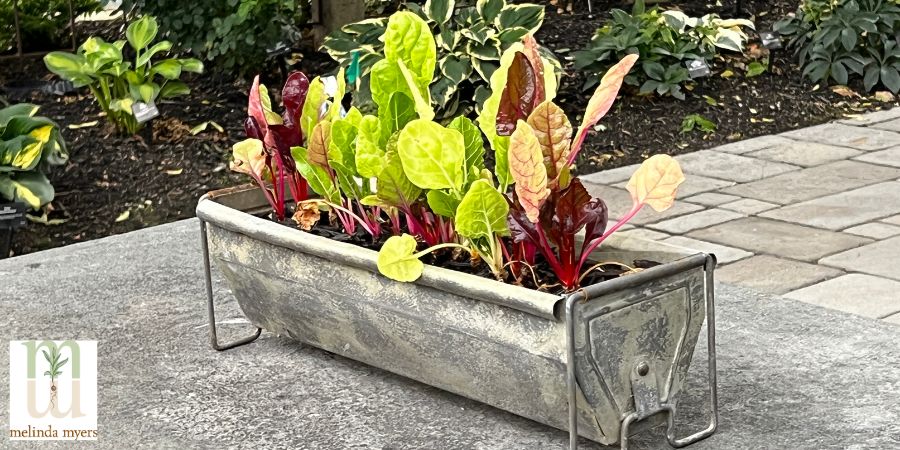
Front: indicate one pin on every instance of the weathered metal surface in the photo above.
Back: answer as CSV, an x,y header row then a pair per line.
x,y
499,344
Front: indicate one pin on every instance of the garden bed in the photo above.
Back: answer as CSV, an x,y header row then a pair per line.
x,y
159,181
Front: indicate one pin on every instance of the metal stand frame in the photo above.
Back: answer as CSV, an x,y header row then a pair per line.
x,y
213,338
646,395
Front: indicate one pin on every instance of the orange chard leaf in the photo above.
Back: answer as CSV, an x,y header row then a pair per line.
x,y
656,182
526,165
554,132
602,100
318,144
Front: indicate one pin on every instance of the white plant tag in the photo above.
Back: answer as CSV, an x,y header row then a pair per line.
x,y
144,112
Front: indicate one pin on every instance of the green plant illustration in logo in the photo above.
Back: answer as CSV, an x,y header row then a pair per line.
x,y
52,357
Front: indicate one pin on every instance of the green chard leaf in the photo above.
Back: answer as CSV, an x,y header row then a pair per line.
x,y
482,212
432,156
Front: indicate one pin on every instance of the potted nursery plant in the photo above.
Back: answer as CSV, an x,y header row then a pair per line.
x,y
29,146
517,306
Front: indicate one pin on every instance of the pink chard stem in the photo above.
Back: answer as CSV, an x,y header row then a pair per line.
x,y
596,242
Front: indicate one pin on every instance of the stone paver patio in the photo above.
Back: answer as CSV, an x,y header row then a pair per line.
x,y
811,214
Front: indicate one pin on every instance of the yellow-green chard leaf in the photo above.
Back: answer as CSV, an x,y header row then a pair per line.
x,y
432,155
318,179
393,187
421,97
408,38
473,141
482,212
442,203
370,156
312,107
397,259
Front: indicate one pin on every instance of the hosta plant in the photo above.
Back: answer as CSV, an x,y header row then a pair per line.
x,y
664,40
116,83
470,40
847,39
29,146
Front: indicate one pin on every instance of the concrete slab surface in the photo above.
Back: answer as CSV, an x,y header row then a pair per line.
x,y
791,375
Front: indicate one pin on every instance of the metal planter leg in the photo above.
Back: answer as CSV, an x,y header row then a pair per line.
x,y
646,393
213,338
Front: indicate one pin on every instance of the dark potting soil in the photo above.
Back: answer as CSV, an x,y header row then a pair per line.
x,y
159,180
542,279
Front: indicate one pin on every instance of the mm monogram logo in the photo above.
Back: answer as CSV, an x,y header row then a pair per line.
x,y
53,390
51,354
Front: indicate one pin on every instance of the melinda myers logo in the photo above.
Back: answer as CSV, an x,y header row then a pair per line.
x,y
53,390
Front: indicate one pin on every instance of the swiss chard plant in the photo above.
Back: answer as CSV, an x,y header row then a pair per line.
x,y
399,171
29,146
847,39
118,84
266,153
665,41
470,41
548,207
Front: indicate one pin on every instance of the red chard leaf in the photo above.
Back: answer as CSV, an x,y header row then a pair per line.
x,y
294,96
251,128
518,99
255,107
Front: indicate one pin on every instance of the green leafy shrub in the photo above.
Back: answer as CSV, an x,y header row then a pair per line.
x,y
29,146
44,23
469,40
834,41
118,84
665,41
231,34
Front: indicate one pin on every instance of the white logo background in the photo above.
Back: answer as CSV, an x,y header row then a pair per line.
x,y
83,417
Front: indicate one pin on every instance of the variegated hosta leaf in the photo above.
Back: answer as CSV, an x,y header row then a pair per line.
x,y
456,69
526,164
554,132
489,9
656,182
528,16
439,11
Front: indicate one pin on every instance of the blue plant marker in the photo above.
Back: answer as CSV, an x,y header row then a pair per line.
x,y
353,70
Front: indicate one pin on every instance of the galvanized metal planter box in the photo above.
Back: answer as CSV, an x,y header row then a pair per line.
x,y
620,349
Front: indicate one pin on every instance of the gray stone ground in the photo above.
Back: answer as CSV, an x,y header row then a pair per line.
x,y
792,375
811,214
